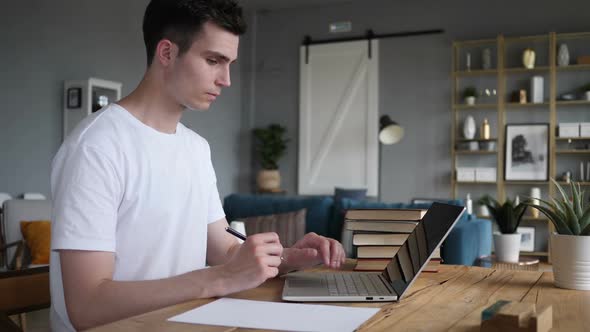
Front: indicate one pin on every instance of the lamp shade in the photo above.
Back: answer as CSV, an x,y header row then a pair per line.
x,y
390,132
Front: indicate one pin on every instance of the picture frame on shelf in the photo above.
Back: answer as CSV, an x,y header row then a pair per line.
x,y
527,238
527,152
74,98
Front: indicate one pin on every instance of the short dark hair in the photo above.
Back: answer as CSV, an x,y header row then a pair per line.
x,y
181,20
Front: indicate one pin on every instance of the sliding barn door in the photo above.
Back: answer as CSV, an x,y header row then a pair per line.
x,y
338,120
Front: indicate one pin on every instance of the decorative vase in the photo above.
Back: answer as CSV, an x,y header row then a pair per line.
x,y
535,195
485,129
486,59
268,180
570,255
507,247
469,127
563,56
470,100
528,58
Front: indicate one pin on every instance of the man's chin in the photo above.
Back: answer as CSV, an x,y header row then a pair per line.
x,y
198,107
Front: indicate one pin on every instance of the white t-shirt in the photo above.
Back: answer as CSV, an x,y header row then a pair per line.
x,y
121,186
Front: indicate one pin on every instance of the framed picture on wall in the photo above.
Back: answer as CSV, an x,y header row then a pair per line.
x,y
526,155
74,98
527,238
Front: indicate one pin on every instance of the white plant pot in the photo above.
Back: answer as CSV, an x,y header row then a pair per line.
x,y
507,247
470,100
570,255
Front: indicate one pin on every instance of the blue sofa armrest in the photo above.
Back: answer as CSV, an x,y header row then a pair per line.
x,y
469,240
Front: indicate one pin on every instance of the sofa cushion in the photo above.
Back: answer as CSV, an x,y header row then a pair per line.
x,y
335,226
289,226
319,208
37,236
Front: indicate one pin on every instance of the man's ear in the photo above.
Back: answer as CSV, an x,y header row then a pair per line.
x,y
166,52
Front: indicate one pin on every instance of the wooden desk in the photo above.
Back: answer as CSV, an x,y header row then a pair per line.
x,y
451,299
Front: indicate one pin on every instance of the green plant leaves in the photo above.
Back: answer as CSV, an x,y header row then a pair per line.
x,y
270,145
507,216
570,217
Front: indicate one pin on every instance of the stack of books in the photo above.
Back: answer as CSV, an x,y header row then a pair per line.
x,y
379,233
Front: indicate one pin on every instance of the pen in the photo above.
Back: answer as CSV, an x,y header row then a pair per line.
x,y
241,236
236,233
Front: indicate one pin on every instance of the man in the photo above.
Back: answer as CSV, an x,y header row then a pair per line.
x,y
137,214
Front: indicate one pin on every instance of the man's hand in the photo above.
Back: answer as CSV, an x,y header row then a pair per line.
x,y
311,250
255,261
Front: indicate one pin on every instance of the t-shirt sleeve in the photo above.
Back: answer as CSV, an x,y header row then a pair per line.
x,y
86,192
215,208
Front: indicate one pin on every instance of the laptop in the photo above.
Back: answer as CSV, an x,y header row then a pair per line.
x,y
396,278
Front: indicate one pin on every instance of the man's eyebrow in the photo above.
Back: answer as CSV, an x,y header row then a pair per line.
x,y
219,56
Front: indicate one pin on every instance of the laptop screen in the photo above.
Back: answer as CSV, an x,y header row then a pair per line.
x,y
415,252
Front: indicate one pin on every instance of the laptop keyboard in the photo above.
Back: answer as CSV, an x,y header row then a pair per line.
x,y
350,284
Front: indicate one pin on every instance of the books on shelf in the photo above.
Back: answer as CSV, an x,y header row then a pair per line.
x,y
379,239
381,226
385,214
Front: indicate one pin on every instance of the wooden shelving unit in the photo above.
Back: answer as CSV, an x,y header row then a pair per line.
x,y
506,72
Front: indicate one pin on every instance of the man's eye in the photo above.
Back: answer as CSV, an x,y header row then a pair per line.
x,y
212,61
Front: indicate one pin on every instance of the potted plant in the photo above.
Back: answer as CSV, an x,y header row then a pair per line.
x,y
469,94
507,216
270,146
585,89
570,244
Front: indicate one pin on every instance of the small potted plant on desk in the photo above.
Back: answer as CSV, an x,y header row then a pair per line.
x,y
570,244
270,145
470,94
508,217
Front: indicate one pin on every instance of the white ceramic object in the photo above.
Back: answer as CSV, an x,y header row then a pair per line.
x,y
528,58
483,211
588,95
470,100
507,247
570,255
563,56
469,127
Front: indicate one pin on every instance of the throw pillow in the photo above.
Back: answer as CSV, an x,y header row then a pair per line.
x,y
37,236
290,226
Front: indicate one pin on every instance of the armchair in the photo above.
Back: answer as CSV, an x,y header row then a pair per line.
x,y
24,288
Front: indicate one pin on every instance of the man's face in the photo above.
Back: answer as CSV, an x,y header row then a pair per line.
x,y
197,76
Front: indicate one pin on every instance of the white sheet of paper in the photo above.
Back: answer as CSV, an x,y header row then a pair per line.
x,y
277,316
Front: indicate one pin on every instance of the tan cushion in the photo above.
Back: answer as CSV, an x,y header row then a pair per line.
x,y
37,236
290,226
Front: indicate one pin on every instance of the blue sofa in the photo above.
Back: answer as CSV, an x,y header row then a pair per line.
x,y
470,239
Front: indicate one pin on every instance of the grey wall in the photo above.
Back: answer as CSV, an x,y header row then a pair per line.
x,y
47,42
415,73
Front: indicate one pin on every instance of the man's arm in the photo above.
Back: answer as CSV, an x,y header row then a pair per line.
x,y
93,298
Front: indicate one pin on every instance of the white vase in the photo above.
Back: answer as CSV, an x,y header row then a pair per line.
x,y
470,100
563,56
570,255
469,127
587,95
507,247
528,58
